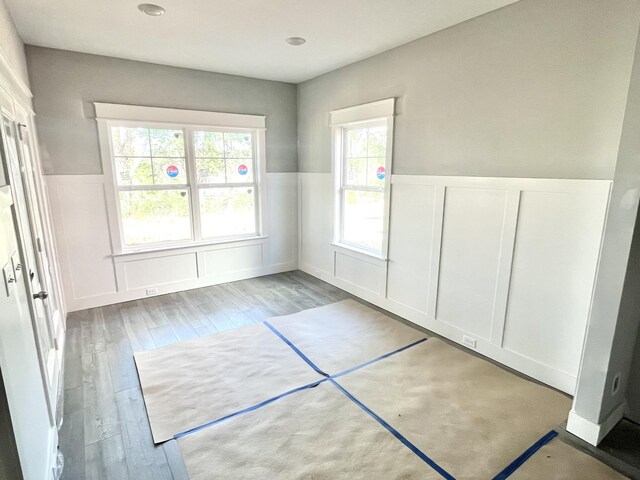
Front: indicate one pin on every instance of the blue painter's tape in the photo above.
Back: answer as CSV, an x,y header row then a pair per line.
x,y
295,349
377,359
395,433
517,463
249,409
310,385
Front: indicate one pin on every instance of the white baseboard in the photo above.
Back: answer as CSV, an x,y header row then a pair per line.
x,y
590,432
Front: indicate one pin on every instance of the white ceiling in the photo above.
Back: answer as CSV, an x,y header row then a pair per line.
x,y
244,37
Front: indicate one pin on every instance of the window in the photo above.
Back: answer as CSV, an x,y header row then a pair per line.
x,y
362,160
181,184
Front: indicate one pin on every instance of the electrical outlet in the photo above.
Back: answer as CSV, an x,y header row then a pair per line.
x,y
468,341
152,291
615,386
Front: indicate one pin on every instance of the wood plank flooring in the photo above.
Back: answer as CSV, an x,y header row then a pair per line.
x,y
105,434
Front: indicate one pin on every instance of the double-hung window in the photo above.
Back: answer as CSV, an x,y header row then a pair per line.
x,y
176,183
362,161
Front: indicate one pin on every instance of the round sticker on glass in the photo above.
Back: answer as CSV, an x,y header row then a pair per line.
x,y
243,169
380,173
172,171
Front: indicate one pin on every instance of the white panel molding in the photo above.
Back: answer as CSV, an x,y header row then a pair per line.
x,y
471,243
436,248
532,368
317,257
507,245
121,277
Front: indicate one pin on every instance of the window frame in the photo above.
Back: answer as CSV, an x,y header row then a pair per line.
x,y
188,121
361,116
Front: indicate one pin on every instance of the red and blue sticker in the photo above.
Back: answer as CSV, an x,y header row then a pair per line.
x,y
243,169
172,171
380,173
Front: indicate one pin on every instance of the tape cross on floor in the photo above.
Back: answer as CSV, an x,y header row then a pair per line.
x,y
352,347
331,379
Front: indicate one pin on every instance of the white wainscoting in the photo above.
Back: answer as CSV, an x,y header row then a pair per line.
x,y
508,262
92,276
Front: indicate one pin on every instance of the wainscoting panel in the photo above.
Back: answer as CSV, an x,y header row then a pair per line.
x,y
554,265
152,272
94,276
504,266
360,272
316,221
225,260
412,226
469,258
80,222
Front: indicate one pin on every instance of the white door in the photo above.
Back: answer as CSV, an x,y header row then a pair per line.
x,y
29,227
40,225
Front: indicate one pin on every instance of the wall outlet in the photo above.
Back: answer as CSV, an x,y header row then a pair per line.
x,y
615,386
468,341
152,291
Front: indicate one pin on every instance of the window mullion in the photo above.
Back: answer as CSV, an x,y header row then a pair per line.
x,y
192,181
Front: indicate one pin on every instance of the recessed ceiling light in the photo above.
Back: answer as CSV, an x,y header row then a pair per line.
x,y
151,9
295,41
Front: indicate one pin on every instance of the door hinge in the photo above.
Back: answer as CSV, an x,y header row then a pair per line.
x,y
20,127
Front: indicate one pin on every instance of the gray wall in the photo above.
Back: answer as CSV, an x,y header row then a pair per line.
x,y
535,89
11,44
65,84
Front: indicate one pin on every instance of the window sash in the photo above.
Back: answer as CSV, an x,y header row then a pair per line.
x,y
191,184
345,186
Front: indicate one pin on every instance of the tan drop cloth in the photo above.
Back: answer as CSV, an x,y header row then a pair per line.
x,y
470,416
344,334
315,434
559,461
190,383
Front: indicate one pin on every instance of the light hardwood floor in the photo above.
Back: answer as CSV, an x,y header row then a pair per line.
x,y
105,433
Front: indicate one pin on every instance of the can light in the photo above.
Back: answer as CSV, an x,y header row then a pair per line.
x,y
151,9
295,41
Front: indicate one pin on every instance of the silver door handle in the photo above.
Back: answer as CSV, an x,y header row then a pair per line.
x,y
40,295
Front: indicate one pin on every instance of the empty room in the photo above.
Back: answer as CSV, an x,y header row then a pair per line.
x,y
320,240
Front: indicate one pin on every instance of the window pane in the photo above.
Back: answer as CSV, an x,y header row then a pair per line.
x,y
210,170
166,143
356,142
239,170
208,144
363,214
377,144
168,171
356,171
227,212
133,171
376,172
237,145
155,216
130,142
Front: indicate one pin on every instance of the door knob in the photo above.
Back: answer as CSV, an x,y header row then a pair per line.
x,y
40,295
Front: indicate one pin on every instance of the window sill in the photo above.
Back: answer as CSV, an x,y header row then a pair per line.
x,y
360,251
166,250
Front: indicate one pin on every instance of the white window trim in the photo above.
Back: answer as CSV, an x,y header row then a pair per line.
x,y
382,110
109,114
